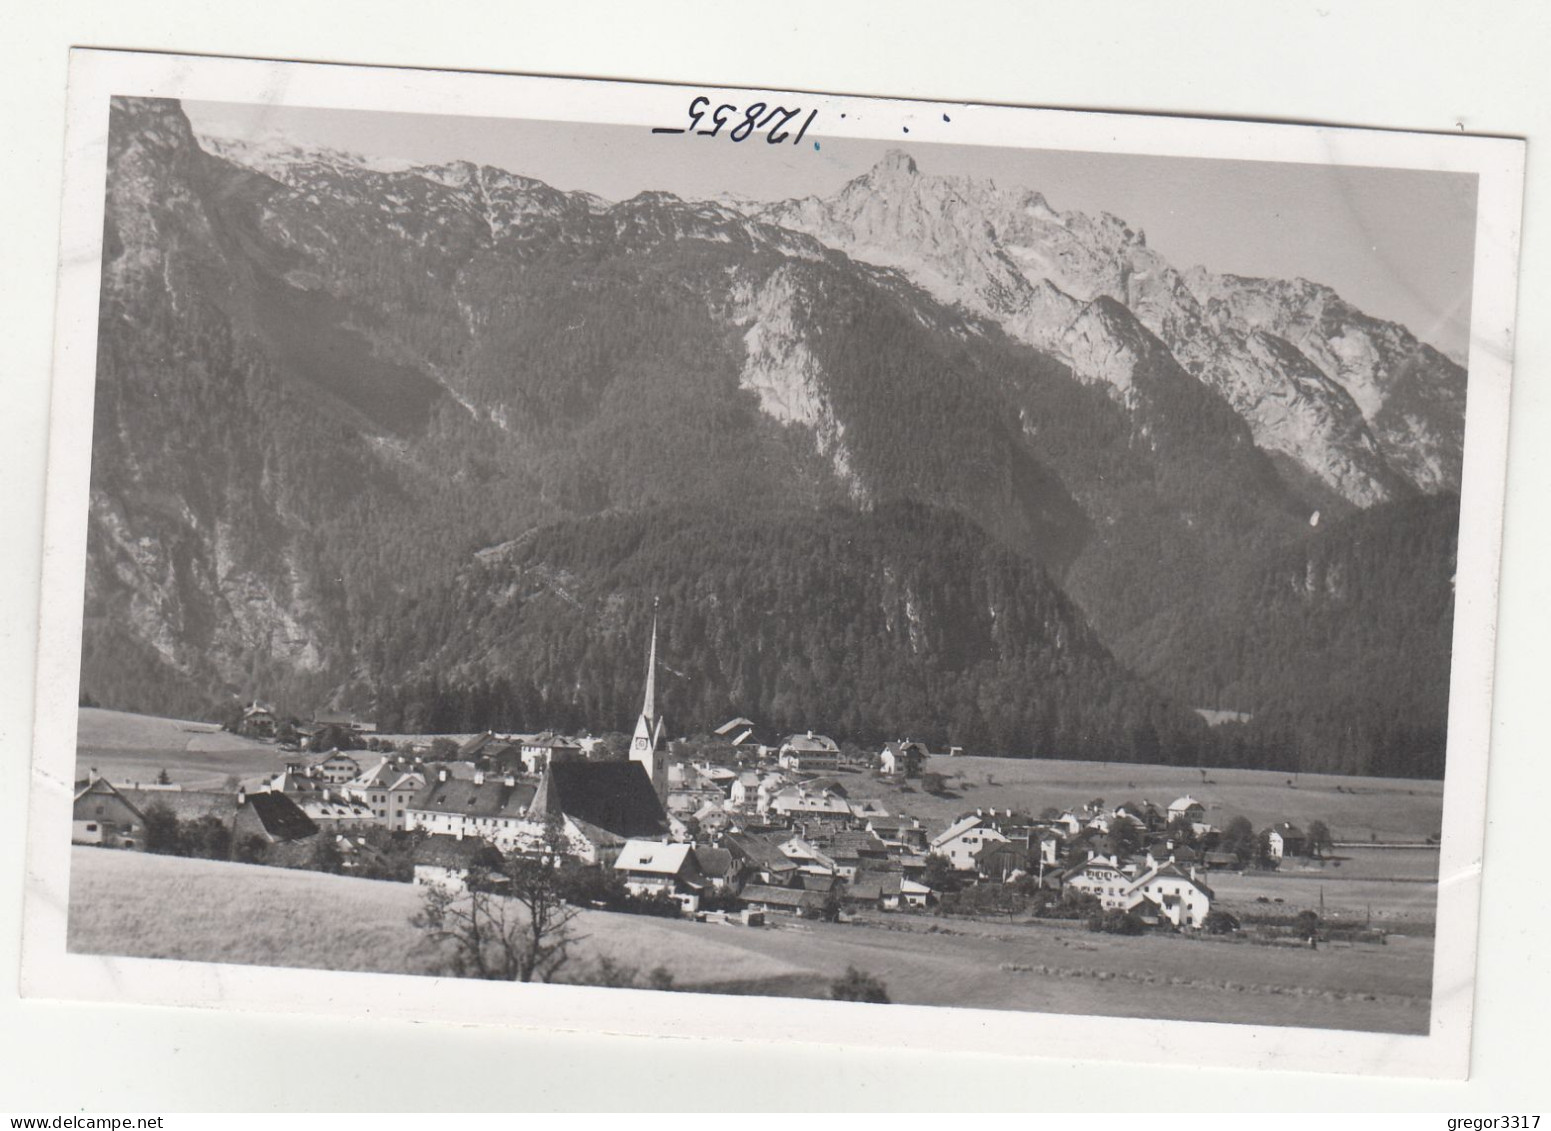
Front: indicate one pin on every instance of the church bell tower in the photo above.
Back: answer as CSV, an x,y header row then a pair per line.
x,y
646,746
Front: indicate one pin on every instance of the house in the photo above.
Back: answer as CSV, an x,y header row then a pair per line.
x,y
876,889
1000,861
388,791
789,901
903,758
962,841
899,832
1287,839
444,861
652,868
744,790
737,732
343,720
913,893
540,751
809,753
336,767
272,817
712,819
761,859
336,812
1101,878
1177,896
808,857
1188,809
102,815
258,721
487,807
474,747
796,802
719,867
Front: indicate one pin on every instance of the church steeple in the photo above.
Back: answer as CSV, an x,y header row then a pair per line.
x,y
649,707
646,746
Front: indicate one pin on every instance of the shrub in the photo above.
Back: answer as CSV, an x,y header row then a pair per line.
x,y
1220,923
1116,922
856,985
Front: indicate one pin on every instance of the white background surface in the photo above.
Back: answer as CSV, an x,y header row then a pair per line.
x,y
1421,65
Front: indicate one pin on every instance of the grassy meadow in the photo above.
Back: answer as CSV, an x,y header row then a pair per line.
x,y
124,747
161,907
1356,809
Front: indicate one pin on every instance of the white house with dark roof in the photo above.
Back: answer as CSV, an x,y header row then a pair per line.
x,y
650,867
809,753
388,791
1181,899
1287,839
962,841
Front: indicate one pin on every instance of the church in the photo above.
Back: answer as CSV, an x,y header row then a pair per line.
x,y
600,805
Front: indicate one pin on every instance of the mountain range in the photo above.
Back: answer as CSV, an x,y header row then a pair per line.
x,y
925,455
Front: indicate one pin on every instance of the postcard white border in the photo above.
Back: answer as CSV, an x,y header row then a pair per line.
x,y
48,971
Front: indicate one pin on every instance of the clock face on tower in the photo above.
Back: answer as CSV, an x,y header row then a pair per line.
x,y
640,744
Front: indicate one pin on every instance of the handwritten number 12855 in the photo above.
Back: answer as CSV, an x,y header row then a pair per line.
x,y
741,123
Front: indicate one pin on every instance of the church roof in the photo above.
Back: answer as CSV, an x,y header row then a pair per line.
x,y
615,796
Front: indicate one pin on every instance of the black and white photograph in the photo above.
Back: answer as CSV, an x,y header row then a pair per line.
x,y
767,549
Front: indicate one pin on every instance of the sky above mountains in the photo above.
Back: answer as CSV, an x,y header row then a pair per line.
x,y
1397,243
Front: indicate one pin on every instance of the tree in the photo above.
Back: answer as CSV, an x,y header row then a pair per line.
x,y
1307,925
1263,857
520,936
1220,922
252,850
933,783
326,856
162,833
1117,922
1182,830
940,874
855,985
206,837
162,777
1123,836
914,760
1319,838
1239,838
443,750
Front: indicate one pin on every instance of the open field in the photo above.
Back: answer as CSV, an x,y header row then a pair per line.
x,y
159,907
1391,809
124,747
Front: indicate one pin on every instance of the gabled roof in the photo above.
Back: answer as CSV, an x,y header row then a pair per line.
x,y
957,829
713,861
281,817
783,897
490,798
1288,829
810,743
473,746
740,723
441,851
655,858
103,787
1180,804
614,796
759,851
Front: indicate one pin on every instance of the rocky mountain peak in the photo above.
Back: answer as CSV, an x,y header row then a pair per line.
x,y
896,163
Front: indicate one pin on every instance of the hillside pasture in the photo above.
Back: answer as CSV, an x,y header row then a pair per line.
x,y
1356,809
157,907
135,748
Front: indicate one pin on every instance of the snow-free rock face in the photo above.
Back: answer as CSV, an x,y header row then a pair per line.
x,y
1008,255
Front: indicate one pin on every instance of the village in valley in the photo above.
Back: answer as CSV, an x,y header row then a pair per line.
x,y
757,832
